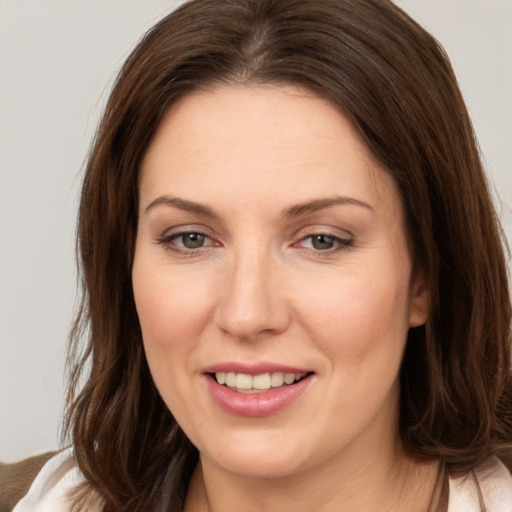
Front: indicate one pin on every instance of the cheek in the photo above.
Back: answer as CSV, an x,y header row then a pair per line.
x,y
171,308
364,317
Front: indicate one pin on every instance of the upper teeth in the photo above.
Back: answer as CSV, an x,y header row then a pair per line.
x,y
264,381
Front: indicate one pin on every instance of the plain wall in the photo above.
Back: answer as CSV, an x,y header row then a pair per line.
x,y
57,62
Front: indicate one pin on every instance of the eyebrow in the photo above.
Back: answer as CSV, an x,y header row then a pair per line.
x,y
293,211
320,204
182,204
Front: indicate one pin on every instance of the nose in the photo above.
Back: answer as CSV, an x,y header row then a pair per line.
x,y
253,301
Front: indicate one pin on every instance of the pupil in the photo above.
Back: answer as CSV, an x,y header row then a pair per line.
x,y
193,240
322,242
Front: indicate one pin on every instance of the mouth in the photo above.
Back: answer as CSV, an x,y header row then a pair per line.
x,y
261,383
256,390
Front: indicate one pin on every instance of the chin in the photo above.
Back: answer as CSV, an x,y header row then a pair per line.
x,y
259,466
257,457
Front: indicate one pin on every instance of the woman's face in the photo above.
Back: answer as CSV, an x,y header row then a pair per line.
x,y
273,282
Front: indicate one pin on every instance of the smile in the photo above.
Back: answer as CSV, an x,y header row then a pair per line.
x,y
252,391
245,383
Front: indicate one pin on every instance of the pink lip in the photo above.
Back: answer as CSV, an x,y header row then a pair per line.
x,y
253,369
255,404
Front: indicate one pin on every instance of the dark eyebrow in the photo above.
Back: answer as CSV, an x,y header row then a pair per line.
x,y
320,204
182,204
293,211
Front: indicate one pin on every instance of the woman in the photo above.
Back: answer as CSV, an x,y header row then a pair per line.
x,y
295,291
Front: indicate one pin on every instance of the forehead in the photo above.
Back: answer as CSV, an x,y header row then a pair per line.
x,y
261,142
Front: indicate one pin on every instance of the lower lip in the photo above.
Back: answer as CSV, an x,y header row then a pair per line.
x,y
256,404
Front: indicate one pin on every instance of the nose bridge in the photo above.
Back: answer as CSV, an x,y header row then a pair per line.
x,y
252,301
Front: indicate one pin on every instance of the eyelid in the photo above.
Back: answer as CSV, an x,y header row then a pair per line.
x,y
184,229
323,229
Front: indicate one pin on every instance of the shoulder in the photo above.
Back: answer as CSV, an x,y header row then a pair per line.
x,y
50,488
489,486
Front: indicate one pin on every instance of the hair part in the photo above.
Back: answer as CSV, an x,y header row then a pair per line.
x,y
395,82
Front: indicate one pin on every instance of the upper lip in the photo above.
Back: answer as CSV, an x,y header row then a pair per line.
x,y
253,368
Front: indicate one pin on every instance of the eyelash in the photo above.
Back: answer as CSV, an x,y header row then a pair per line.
x,y
339,244
167,241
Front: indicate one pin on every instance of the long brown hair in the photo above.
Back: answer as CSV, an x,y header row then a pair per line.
x,y
394,80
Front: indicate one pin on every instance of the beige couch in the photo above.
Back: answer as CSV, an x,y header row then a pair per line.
x,y
15,479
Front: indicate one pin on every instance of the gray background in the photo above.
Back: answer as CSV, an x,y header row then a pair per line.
x,y
57,62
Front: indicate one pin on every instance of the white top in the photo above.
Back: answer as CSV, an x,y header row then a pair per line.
x,y
60,475
495,486
49,490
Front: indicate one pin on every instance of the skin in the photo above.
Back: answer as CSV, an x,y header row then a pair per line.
x,y
260,289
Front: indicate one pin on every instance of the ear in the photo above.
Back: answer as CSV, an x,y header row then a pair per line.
x,y
419,303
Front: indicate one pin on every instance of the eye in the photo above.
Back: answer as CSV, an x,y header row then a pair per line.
x,y
189,240
323,242
185,241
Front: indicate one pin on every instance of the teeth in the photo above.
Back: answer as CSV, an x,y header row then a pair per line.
x,y
277,379
230,379
262,381
289,378
245,383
